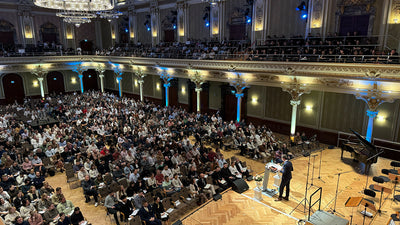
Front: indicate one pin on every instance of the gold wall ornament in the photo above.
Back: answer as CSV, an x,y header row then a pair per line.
x,y
372,75
295,89
290,71
374,97
264,77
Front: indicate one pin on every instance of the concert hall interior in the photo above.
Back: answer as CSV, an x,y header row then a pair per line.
x,y
199,112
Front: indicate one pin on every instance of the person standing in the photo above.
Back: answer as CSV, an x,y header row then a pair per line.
x,y
286,177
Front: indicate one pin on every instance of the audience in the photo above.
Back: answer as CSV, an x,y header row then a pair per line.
x,y
105,139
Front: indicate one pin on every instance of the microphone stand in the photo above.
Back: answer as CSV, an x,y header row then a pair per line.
x,y
312,176
306,189
367,172
319,172
336,195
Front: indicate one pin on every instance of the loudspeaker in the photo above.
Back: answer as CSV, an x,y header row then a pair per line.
x,y
240,186
178,222
216,197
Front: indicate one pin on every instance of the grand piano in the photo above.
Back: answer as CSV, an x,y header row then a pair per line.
x,y
363,151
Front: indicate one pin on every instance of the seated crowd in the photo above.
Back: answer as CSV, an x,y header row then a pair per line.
x,y
351,48
105,140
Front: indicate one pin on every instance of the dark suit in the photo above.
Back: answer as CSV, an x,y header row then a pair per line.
x,y
286,177
146,216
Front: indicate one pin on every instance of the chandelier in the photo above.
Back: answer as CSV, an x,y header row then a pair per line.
x,y
109,15
212,1
78,12
76,5
75,17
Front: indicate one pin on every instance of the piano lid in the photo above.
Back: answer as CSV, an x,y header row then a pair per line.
x,y
364,142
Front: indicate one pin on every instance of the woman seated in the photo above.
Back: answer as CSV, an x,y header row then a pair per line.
x,y
167,186
176,183
4,206
26,209
10,217
44,203
33,194
35,219
159,210
195,191
234,171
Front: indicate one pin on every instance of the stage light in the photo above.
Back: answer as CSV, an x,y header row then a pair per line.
x,y
126,30
148,28
174,26
304,15
207,24
248,19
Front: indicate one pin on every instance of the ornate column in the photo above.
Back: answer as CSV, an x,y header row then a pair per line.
x,y
198,80
239,83
100,69
118,74
166,78
183,20
155,22
373,98
79,70
132,23
296,90
259,20
317,11
41,73
140,75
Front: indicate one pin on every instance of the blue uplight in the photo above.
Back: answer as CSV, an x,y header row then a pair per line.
x,y
207,24
248,19
304,15
174,26
126,30
148,29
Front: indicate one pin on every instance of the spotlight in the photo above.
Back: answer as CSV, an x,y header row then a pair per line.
x,y
304,15
248,19
207,24
148,28
126,30
302,6
174,26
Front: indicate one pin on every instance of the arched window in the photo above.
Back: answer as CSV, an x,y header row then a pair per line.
x,y
7,35
49,33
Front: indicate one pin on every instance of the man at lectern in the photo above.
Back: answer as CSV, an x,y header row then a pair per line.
x,y
286,177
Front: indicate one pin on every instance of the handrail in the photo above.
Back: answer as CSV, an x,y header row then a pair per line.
x,y
319,200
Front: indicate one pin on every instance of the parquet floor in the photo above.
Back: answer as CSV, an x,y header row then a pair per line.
x,y
237,208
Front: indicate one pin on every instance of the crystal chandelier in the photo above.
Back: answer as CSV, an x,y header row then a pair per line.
x,y
109,15
76,5
78,12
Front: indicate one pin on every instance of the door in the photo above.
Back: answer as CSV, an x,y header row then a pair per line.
x,y
55,83
169,35
90,80
13,88
350,24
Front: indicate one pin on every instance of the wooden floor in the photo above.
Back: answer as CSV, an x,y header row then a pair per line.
x,y
242,208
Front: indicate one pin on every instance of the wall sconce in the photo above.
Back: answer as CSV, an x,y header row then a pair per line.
x,y
254,100
154,34
158,86
308,107
28,35
35,83
70,36
132,35
113,36
183,90
181,32
381,118
136,83
395,21
73,80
